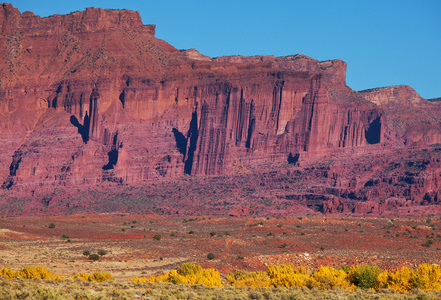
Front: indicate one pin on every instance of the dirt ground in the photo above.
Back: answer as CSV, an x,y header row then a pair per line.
x,y
237,243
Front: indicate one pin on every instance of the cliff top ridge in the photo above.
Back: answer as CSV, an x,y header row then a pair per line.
x,y
91,19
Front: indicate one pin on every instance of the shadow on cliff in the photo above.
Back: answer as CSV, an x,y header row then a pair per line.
x,y
181,141
113,154
373,133
83,130
187,145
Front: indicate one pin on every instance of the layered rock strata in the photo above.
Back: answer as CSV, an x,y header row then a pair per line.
x,y
94,98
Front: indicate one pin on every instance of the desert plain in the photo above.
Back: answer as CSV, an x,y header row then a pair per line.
x,y
144,245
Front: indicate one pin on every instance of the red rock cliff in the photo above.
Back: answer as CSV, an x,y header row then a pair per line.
x,y
414,119
92,19
93,96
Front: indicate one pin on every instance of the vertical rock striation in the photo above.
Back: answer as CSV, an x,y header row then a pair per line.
x,y
94,97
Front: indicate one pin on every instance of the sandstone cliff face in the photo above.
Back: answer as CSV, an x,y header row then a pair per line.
x,y
93,98
414,119
83,21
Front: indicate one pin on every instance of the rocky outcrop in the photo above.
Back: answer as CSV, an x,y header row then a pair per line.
x,y
90,20
93,98
132,108
414,119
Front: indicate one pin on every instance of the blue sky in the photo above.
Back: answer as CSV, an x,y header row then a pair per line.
x,y
384,42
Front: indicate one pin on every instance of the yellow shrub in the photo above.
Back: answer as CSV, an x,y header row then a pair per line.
x,y
252,279
142,279
399,279
326,278
96,276
286,276
30,273
427,278
160,278
8,273
188,269
192,274
83,276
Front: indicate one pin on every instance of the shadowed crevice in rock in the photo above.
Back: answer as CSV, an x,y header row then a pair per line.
x,y
181,141
83,130
250,133
113,159
122,98
16,160
292,159
113,154
55,101
373,133
192,138
93,110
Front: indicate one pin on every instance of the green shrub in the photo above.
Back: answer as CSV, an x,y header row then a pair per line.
x,y
102,252
210,256
157,237
86,252
212,233
365,277
51,225
65,236
94,256
427,244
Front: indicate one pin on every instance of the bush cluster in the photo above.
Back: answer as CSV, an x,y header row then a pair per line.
x,y
30,272
188,274
425,278
96,276
94,256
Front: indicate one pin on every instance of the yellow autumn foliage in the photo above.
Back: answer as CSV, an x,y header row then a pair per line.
x,y
328,278
143,279
285,275
398,279
427,278
190,274
251,279
96,276
30,272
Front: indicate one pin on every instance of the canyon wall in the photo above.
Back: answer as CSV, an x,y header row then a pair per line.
x,y
94,98
414,119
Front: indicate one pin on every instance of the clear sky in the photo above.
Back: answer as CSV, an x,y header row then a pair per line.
x,y
384,42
